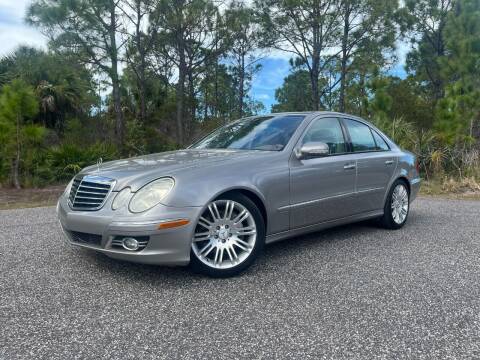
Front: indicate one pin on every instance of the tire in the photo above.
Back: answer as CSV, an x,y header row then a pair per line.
x,y
397,206
228,237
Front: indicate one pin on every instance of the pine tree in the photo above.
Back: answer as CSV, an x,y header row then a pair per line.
x,y
459,111
18,105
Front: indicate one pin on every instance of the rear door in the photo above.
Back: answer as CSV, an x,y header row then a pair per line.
x,y
375,165
322,189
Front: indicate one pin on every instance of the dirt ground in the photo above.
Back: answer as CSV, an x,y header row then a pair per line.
x,y
24,198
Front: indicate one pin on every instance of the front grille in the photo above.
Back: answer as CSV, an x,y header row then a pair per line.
x,y
85,238
89,192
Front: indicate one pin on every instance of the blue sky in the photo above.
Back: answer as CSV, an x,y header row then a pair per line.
x,y
14,32
275,69
270,77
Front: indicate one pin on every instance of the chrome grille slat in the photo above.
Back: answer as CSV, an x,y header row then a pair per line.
x,y
79,196
99,185
90,192
92,188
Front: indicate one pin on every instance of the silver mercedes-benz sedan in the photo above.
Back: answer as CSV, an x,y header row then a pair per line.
x,y
257,180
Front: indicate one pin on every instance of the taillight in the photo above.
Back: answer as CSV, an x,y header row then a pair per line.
x,y
417,165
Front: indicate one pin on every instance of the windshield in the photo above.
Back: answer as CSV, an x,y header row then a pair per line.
x,y
260,133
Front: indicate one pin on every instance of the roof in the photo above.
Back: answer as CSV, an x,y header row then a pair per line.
x,y
333,113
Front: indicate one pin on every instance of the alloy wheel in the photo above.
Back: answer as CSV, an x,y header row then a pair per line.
x,y
399,204
225,234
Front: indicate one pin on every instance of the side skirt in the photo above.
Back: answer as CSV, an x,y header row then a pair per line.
x,y
325,225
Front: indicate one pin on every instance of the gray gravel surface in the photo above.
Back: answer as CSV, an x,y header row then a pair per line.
x,y
355,292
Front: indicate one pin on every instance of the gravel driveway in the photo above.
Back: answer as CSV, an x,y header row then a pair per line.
x,y
350,292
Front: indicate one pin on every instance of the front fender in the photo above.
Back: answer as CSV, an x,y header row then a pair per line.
x,y
269,181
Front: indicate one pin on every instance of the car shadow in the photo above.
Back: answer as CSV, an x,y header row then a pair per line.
x,y
274,257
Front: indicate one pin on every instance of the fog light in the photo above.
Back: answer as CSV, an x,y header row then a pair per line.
x,y
130,244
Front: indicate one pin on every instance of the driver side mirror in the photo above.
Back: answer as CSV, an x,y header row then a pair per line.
x,y
312,150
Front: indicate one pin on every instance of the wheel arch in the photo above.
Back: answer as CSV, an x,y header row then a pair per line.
x,y
401,176
252,195
406,181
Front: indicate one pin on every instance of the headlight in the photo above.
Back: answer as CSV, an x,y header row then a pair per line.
x,y
151,195
68,188
121,199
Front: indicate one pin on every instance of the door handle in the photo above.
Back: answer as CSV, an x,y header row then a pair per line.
x,y
389,162
349,166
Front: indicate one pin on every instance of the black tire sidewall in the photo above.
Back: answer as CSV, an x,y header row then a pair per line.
x,y
199,267
387,219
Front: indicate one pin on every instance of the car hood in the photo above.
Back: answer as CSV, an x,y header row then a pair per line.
x,y
137,171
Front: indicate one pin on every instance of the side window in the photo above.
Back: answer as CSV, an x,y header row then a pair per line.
x,y
328,131
361,136
381,144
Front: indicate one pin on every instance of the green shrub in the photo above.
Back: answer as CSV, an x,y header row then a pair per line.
x,y
67,160
400,131
158,142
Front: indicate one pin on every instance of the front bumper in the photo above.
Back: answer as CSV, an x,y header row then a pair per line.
x,y
414,188
165,246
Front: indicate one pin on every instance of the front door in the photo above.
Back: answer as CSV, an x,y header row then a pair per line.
x,y
322,188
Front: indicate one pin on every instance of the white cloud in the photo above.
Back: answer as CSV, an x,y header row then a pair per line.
x,y
13,36
15,8
279,54
403,48
13,30
263,97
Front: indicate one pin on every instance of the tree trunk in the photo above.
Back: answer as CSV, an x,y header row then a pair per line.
x,y
117,105
215,113
363,95
314,70
15,171
314,74
180,95
16,161
343,70
192,104
142,67
143,107
205,102
142,91
241,86
343,82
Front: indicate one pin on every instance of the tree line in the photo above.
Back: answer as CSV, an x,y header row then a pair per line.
x,y
126,77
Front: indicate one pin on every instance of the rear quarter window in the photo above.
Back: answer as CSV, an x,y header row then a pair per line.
x,y
360,136
381,144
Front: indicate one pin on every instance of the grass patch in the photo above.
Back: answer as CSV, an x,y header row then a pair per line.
x,y
465,188
27,198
